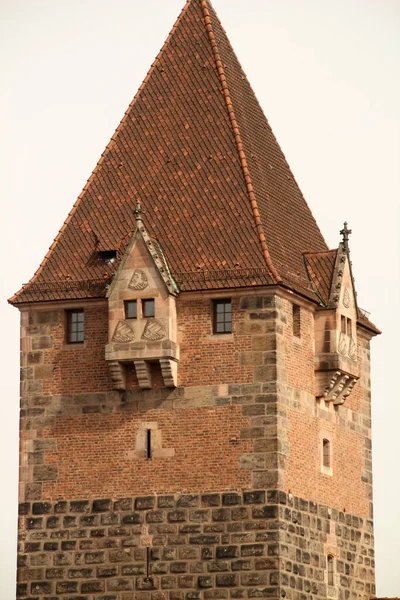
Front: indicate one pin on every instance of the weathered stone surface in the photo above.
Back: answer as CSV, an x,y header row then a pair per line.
x,y
238,543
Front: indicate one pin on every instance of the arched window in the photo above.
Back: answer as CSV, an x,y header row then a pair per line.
x,y
331,570
326,453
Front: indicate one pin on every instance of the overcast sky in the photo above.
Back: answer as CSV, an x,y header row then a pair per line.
x,y
327,75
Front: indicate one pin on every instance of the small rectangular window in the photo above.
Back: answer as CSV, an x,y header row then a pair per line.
x,y
148,444
130,309
75,326
148,308
222,316
331,571
349,328
343,324
296,320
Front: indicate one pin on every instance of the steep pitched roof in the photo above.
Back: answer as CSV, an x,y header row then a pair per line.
x,y
320,268
196,149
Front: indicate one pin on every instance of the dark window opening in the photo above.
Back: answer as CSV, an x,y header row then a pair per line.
x,y
222,316
75,326
326,453
343,322
148,308
296,320
108,256
148,444
349,328
130,309
331,571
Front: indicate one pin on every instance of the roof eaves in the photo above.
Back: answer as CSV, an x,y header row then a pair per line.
x,y
239,144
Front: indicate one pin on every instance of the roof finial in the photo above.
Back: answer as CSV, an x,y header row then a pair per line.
x,y
138,212
345,233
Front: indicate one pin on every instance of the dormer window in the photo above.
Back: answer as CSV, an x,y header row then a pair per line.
x,y
148,308
346,326
109,256
131,309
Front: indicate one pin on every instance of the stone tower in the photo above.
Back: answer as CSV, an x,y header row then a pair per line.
x,y
195,396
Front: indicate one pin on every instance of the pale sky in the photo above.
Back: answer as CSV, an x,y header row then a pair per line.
x,y
327,75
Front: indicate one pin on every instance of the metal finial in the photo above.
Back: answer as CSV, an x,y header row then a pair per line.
x,y
138,212
345,233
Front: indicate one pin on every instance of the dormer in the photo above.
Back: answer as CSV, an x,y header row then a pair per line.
x,y
336,364
142,313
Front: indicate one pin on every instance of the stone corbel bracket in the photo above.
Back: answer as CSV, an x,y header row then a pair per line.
x,y
169,370
118,375
339,388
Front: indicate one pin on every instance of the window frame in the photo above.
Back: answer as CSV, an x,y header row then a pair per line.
x,y
126,304
226,323
68,326
144,301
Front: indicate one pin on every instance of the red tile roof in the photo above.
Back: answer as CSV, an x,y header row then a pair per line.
x,y
320,268
195,147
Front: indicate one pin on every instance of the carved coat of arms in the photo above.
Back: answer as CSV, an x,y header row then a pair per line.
x,y
139,280
346,298
154,330
123,333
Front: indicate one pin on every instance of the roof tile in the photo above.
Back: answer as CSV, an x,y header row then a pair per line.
x,y
196,149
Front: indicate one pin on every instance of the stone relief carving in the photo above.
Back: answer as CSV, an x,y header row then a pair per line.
x,y
339,388
346,298
353,350
154,331
123,333
343,344
139,280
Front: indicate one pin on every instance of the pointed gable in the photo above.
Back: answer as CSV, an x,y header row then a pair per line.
x,y
195,148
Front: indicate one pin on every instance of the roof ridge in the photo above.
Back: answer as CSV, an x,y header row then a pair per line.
x,y
238,143
100,161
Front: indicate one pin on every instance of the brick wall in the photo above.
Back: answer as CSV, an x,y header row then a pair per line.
x,y
305,422
243,417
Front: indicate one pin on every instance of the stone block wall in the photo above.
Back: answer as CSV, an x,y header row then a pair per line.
x,y
244,417
252,544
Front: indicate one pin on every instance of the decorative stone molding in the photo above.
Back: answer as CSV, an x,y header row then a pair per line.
x,y
123,333
118,375
353,350
143,374
154,331
139,280
339,388
346,298
169,369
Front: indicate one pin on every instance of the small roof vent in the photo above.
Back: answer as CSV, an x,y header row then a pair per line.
x,y
109,256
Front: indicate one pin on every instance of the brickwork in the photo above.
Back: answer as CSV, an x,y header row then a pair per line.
x,y
304,422
214,359
244,417
255,544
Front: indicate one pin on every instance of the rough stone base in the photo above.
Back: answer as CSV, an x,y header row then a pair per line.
x,y
255,544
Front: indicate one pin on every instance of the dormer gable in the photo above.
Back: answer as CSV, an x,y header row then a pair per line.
x,y
336,364
142,313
